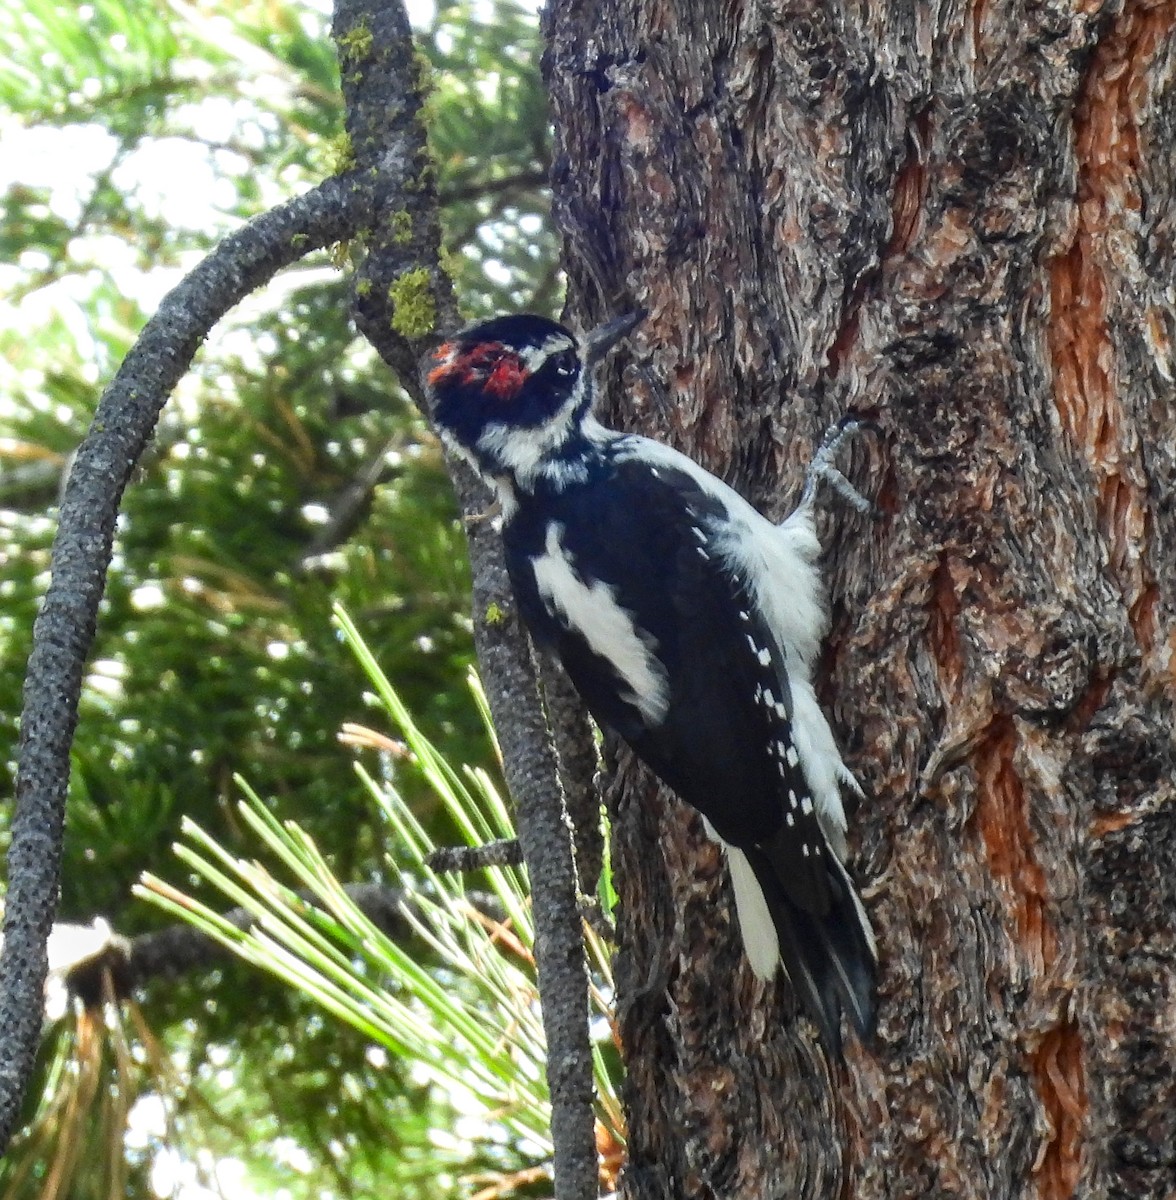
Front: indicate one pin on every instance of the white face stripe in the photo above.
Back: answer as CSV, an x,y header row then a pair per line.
x,y
523,449
593,612
520,449
536,356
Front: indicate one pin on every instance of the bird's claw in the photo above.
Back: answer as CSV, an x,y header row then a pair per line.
x,y
821,468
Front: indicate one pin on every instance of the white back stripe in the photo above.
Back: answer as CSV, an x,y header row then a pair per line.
x,y
593,612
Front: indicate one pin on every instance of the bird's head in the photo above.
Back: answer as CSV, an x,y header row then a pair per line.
x,y
513,391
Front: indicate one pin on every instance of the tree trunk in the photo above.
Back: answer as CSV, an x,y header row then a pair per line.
x,y
960,221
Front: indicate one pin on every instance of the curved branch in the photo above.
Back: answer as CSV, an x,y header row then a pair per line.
x,y
400,295
64,630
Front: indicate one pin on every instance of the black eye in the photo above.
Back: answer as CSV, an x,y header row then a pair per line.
x,y
564,364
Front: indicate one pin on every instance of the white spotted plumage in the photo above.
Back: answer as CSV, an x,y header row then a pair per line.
x,y
780,564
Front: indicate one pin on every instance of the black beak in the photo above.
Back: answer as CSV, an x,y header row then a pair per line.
x,y
603,338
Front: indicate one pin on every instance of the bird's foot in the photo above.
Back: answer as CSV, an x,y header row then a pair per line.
x,y
821,468
491,512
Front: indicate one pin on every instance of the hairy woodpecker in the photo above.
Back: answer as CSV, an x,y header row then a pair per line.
x,y
688,623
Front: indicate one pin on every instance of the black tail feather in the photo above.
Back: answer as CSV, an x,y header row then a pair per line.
x,y
830,959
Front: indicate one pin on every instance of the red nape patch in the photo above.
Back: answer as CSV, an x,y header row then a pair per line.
x,y
444,355
507,377
490,366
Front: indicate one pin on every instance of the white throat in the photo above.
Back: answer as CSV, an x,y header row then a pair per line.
x,y
529,453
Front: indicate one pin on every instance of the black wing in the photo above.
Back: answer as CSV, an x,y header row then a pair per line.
x,y
724,741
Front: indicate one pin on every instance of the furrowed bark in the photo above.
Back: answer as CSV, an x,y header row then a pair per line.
x,y
959,222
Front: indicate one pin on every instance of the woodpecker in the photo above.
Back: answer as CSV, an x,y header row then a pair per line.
x,y
689,624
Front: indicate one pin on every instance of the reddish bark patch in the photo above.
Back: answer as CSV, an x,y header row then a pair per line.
x,y
1109,823
1002,820
1091,700
1059,1076
1107,146
1055,1065
944,611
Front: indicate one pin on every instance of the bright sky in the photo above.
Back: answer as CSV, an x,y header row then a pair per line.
x,y
185,184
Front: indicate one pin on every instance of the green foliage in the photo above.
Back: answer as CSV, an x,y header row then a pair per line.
x,y
135,135
74,1142
474,1033
490,136
453,997
123,1112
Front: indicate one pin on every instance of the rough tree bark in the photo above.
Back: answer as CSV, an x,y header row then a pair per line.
x,y
959,220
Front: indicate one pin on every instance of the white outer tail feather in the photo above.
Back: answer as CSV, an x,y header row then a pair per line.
x,y
760,938
821,762
761,942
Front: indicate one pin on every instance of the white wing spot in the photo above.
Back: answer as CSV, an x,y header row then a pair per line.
x,y
782,713
806,806
752,644
805,847
702,553
791,820
743,616
791,794
769,697
765,658
793,757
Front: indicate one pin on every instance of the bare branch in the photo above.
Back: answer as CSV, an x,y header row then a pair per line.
x,y
347,507
128,963
64,630
504,853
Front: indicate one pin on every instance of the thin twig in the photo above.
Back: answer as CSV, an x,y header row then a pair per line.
x,y
477,188
506,852
347,507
